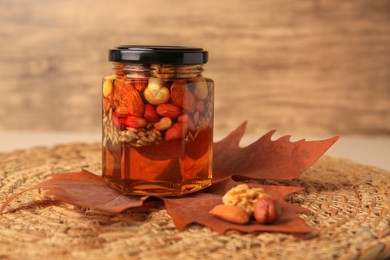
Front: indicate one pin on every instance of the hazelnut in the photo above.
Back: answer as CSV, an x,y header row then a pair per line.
x,y
266,211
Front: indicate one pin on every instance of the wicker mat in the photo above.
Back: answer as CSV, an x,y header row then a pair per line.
x,y
349,209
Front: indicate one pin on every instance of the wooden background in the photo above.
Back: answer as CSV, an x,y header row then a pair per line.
x,y
308,67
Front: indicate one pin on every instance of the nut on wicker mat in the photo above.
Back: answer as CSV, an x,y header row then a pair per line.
x,y
349,209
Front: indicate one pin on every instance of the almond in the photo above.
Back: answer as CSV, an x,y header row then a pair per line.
x,y
168,110
150,114
266,210
230,213
182,97
163,124
176,132
135,122
128,98
186,119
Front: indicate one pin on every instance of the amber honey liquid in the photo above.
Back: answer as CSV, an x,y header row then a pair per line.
x,y
165,169
157,134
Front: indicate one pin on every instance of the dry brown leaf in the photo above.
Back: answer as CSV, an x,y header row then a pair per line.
x,y
85,189
264,159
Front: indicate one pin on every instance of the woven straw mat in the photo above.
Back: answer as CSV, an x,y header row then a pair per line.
x,y
349,210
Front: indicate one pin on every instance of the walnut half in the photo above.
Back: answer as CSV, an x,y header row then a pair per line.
x,y
244,197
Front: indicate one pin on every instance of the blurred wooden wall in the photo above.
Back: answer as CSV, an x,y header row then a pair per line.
x,y
309,67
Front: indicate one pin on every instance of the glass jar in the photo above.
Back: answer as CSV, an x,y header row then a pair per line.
x,y
157,121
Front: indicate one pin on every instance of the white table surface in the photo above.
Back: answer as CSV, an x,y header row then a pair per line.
x,y
374,151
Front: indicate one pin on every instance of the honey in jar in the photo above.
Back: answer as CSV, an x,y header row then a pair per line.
x,y
157,121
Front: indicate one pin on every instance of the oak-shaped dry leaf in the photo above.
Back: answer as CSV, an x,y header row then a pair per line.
x,y
265,159
84,189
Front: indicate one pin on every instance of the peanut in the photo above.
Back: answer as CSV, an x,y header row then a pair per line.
x,y
135,122
163,124
168,110
186,119
150,114
176,132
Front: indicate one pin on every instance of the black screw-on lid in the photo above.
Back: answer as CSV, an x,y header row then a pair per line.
x,y
175,55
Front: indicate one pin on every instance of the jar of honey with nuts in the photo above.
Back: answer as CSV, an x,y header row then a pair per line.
x,y
157,121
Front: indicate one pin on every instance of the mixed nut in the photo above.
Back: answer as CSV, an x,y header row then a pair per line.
x,y
144,111
242,202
